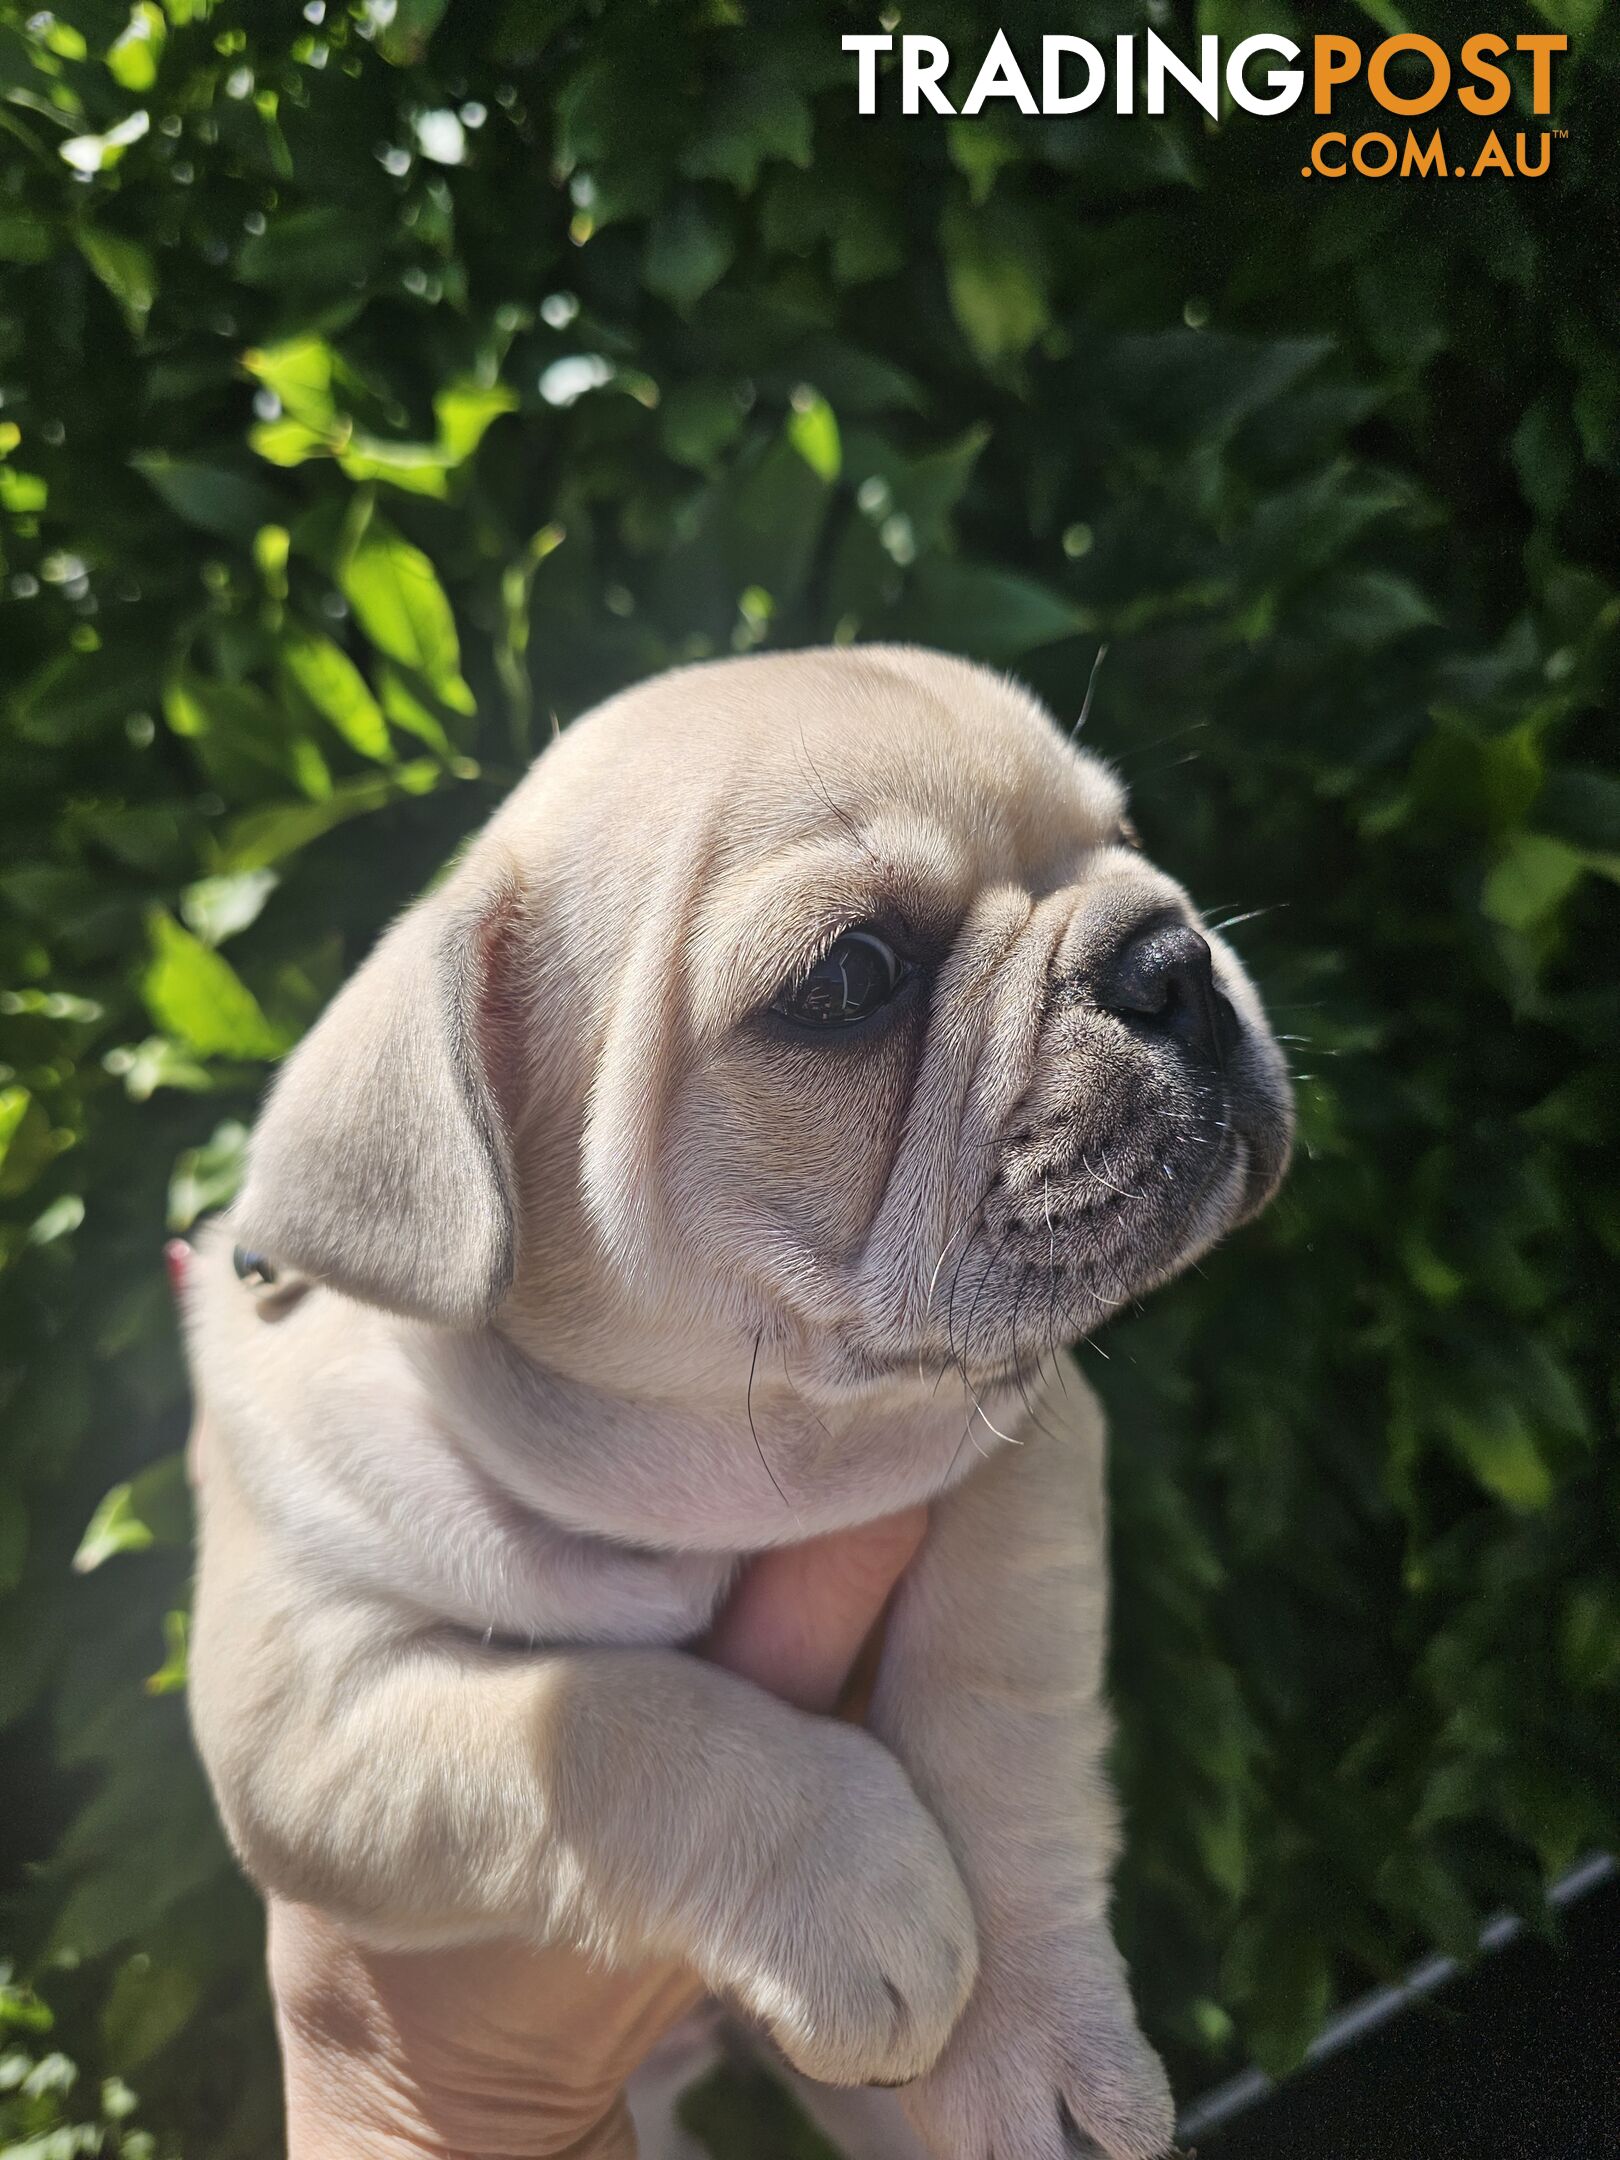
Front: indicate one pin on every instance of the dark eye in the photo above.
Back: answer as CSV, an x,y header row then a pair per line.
x,y
849,982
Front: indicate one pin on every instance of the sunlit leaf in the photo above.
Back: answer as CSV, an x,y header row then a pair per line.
x,y
195,994
170,1676
465,411
338,691
116,1527
401,607
99,153
298,373
813,432
290,442
216,908
133,56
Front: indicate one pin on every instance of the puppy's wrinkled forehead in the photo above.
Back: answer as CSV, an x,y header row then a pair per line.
x,y
774,746
887,737
821,787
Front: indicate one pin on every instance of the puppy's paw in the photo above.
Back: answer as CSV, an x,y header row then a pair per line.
x,y
859,1953
1048,2063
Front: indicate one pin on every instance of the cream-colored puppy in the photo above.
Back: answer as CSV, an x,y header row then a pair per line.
x,y
719,1155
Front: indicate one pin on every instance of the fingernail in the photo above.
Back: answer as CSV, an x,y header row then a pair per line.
x,y
177,1260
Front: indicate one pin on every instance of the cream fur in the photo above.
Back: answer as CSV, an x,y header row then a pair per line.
x,y
617,1282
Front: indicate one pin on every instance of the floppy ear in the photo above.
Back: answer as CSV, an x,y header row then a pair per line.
x,y
381,1162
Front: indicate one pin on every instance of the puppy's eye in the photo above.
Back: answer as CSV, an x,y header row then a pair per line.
x,y
1126,834
858,974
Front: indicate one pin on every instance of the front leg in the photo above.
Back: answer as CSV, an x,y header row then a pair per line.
x,y
636,1805
990,1693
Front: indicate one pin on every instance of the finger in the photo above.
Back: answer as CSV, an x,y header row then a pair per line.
x,y
797,1620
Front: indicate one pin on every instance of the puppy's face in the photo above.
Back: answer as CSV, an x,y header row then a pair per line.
x,y
825,1002
915,1060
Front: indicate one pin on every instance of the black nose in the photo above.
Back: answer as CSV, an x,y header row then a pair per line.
x,y
1164,980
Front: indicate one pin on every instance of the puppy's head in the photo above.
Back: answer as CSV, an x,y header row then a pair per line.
x,y
819,999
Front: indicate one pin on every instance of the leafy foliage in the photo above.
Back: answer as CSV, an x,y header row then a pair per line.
x,y
385,384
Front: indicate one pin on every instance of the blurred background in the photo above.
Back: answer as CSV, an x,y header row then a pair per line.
x,y
381,385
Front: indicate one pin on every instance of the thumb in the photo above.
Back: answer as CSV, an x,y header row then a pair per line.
x,y
797,1620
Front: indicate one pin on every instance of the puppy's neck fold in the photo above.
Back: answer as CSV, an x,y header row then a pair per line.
x,y
746,1463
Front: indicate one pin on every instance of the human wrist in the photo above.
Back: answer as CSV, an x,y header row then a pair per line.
x,y
489,2051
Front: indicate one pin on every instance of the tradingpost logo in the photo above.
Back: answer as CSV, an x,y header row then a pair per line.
x,y
1459,94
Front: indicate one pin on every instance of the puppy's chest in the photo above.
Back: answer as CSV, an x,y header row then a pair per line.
x,y
528,1579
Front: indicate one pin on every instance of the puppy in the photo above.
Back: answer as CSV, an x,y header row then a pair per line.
x,y
718,1156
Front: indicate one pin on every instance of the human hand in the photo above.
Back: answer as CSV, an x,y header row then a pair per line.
x,y
499,2048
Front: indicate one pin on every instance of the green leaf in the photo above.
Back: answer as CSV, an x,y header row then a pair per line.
x,y
243,740
1500,1449
997,280
20,1164
1581,806
813,432
149,2004
171,1675
337,689
980,149
65,39
22,493
1590,1635
417,468
216,908
401,606
406,711
24,239
59,1220
1530,881
406,35
133,56
20,2008
216,498
125,267
988,614
288,442
156,1063
279,830
698,419
322,246
1370,607
688,251
207,1177
90,154
465,411
271,549
117,1526
195,995
1578,17
1291,1990
299,373
755,119
775,519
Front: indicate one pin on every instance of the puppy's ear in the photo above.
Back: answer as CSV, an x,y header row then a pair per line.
x,y
381,1163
